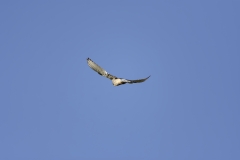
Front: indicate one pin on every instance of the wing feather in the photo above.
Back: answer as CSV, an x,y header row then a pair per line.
x,y
99,69
137,80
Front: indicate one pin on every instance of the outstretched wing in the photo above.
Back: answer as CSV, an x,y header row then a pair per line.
x,y
135,81
99,69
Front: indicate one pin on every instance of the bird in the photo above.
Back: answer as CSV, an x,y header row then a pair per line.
x,y
115,80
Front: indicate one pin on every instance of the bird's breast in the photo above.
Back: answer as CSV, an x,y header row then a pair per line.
x,y
116,82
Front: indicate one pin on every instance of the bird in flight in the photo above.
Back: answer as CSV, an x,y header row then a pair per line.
x,y
115,80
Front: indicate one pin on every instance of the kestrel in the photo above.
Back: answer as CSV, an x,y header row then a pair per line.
x,y
115,80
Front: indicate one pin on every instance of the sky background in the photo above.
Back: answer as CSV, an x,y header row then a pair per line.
x,y
54,107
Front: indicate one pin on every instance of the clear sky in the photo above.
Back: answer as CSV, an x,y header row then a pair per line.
x,y
54,107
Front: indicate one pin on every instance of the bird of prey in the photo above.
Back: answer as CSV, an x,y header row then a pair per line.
x,y
115,80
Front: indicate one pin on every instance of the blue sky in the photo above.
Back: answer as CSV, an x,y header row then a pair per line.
x,y
53,106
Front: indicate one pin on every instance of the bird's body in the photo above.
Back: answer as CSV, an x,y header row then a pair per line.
x,y
115,80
